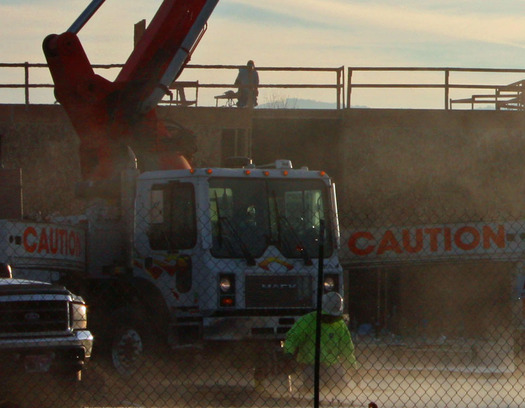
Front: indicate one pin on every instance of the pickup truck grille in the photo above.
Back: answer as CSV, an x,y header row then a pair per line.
x,y
279,291
30,317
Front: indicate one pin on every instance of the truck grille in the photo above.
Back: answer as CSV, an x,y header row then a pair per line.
x,y
279,291
29,317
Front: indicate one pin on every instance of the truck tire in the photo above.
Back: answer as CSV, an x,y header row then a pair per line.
x,y
128,341
73,376
127,349
69,378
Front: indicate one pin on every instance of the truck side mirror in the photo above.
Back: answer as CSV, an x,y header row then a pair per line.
x,y
5,270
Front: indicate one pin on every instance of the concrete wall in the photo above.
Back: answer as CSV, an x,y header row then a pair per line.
x,y
40,140
208,125
392,167
428,164
308,137
431,164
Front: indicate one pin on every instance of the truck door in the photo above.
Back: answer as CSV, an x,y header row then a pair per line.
x,y
172,235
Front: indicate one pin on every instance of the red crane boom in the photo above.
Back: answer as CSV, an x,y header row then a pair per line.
x,y
110,116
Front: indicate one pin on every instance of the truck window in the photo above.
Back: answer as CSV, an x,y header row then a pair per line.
x,y
249,215
239,217
297,208
172,217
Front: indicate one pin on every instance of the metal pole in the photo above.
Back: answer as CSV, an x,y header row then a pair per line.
x,y
318,317
83,18
378,304
338,91
343,90
447,75
26,78
349,91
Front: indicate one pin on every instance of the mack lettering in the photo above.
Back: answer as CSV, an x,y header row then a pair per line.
x,y
279,285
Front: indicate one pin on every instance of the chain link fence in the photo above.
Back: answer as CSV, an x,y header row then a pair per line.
x,y
432,310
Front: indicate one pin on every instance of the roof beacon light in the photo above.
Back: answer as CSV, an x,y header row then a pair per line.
x,y
283,164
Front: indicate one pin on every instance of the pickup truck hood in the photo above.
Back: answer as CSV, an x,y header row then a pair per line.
x,y
8,286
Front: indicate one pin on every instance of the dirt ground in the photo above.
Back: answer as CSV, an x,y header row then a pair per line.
x,y
205,382
208,383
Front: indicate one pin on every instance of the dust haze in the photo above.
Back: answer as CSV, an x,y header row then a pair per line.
x,y
419,175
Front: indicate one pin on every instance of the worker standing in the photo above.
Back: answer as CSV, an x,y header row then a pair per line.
x,y
247,82
337,356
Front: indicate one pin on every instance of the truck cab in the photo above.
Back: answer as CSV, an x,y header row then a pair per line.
x,y
235,252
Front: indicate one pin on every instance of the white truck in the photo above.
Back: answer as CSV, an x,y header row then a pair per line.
x,y
187,256
43,328
177,253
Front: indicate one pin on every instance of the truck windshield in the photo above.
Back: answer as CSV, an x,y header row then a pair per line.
x,y
249,215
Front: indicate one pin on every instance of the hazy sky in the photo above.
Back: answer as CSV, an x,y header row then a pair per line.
x,y
318,33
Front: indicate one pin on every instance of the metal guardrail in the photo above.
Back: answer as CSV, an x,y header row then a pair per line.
x,y
337,85
495,94
447,85
508,97
26,85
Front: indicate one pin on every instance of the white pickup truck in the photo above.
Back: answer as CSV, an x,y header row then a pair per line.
x,y
43,328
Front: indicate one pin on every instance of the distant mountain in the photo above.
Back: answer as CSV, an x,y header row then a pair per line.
x,y
296,103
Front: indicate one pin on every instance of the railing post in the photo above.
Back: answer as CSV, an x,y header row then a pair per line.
x,y
26,84
339,73
447,77
349,90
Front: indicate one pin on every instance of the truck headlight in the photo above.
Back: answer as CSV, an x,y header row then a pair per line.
x,y
225,284
78,316
331,283
226,290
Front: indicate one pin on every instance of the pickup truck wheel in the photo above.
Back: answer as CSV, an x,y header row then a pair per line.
x,y
73,376
127,350
69,379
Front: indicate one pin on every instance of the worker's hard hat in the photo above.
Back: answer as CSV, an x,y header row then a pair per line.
x,y
333,304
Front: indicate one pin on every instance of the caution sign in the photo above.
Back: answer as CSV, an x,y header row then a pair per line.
x,y
434,242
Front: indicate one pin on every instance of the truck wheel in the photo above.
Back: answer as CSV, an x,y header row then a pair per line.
x,y
74,376
70,376
127,350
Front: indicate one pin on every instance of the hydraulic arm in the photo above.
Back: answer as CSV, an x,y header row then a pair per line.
x,y
110,116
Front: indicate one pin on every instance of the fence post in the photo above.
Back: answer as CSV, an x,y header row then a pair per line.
x,y
26,84
319,309
447,77
339,73
349,91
